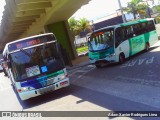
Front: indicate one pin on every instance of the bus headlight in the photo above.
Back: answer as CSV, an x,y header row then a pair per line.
x,y
111,55
24,89
62,77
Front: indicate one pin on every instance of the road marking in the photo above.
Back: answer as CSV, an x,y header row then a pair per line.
x,y
139,62
150,61
82,71
74,69
85,73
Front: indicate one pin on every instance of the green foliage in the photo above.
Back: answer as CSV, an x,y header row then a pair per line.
x,y
84,23
136,7
74,26
82,49
157,8
77,26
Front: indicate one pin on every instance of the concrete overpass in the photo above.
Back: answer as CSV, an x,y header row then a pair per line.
x,y
23,18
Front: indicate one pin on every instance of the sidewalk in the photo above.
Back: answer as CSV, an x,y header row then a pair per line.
x,y
79,62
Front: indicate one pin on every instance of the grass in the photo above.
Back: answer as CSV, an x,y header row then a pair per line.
x,y
82,49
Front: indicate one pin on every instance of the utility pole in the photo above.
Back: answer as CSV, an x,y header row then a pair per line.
x,y
120,6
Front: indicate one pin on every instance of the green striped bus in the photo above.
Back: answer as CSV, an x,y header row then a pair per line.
x,y
118,42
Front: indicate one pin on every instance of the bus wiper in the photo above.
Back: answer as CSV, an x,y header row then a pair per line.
x,y
25,52
106,46
90,45
28,54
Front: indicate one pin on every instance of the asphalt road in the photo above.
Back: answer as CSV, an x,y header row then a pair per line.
x,y
132,86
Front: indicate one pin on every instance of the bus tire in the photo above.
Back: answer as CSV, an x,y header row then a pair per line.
x,y
98,66
147,46
121,58
13,86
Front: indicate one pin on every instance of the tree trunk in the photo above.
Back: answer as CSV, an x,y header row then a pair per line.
x,y
134,15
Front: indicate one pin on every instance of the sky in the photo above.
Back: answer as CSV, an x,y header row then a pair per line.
x,y
99,8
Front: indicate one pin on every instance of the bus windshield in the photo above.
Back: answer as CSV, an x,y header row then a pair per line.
x,y
101,40
35,61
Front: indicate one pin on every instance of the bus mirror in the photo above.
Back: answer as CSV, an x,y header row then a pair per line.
x,y
9,64
88,39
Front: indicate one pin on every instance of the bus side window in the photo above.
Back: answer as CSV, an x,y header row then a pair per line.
x,y
136,29
129,32
150,26
119,36
143,28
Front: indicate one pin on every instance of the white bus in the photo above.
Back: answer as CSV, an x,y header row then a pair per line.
x,y
116,43
35,65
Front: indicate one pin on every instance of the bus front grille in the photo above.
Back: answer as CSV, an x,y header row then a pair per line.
x,y
46,89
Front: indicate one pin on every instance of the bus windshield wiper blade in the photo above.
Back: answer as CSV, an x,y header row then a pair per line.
x,y
25,52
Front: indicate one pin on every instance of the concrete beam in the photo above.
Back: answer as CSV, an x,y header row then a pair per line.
x,y
25,21
19,28
18,19
18,31
30,12
15,34
22,24
25,1
34,5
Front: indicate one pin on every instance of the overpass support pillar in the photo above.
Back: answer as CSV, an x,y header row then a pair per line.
x,y
64,37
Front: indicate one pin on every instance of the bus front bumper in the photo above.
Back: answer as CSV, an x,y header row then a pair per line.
x,y
108,59
36,92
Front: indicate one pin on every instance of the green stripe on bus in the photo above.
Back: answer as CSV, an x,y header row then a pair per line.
x,y
55,74
132,23
130,48
147,36
137,44
102,54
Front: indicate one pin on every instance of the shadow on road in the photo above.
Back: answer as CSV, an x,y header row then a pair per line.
x,y
104,100
101,99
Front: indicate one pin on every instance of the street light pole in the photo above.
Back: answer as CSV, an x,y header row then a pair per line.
x,y
120,6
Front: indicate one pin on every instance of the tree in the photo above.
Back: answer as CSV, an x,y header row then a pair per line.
x,y
136,7
85,24
74,26
156,8
144,10
77,26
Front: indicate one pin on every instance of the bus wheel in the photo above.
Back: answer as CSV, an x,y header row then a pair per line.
x,y
98,66
121,58
13,86
147,46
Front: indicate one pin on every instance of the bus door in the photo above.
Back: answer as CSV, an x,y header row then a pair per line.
x,y
121,41
137,42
